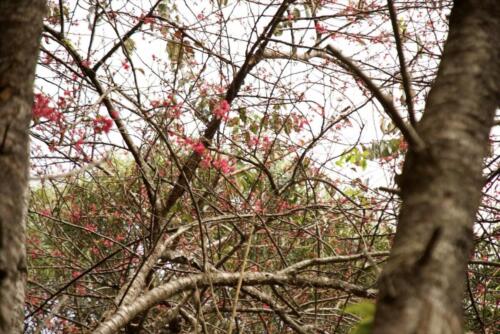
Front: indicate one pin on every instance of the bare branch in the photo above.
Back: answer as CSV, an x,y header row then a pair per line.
x,y
402,64
407,130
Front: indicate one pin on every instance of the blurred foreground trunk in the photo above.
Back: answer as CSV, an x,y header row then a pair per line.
x,y
422,286
20,31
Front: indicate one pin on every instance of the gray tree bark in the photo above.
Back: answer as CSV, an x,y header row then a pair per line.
x,y
422,285
20,31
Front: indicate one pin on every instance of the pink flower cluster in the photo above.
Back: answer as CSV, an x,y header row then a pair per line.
x,y
221,111
174,109
196,145
223,165
199,148
207,161
320,29
256,142
86,63
125,64
41,109
102,124
299,121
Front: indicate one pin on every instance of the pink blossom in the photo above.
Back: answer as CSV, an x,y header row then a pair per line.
x,y
207,161
42,109
320,29
86,63
199,148
78,145
254,141
107,243
102,124
257,207
223,166
125,64
90,227
266,143
61,102
95,250
176,110
221,110
46,212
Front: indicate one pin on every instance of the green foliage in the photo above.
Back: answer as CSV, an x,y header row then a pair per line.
x,y
222,2
179,50
279,30
356,157
163,8
382,149
129,45
365,311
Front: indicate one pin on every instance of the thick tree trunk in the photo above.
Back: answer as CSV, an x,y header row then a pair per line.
x,y
421,288
20,31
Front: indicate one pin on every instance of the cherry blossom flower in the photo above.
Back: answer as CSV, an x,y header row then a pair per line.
x,y
42,109
86,63
320,29
223,165
199,148
102,124
221,110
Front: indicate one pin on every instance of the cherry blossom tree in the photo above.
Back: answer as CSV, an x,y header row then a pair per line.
x,y
240,166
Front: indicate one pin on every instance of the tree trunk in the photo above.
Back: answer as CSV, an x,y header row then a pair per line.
x,y
421,288
21,27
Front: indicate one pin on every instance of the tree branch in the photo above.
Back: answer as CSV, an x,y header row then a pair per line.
x,y
402,64
154,296
407,130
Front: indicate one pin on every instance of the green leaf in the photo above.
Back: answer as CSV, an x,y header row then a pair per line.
x,y
243,114
254,127
275,121
246,135
278,31
365,326
233,121
129,45
174,52
288,126
363,309
163,9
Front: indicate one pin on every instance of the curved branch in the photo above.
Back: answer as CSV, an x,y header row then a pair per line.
x,y
154,296
407,130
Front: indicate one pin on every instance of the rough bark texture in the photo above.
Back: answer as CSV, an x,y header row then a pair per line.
x,y
20,27
422,285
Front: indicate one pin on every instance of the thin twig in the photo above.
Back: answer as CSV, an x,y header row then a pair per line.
x,y
402,64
